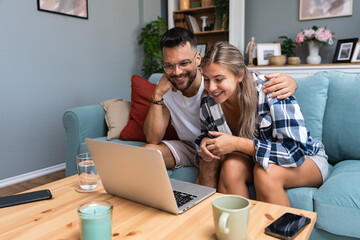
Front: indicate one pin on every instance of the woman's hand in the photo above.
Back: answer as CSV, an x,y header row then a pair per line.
x,y
204,153
223,143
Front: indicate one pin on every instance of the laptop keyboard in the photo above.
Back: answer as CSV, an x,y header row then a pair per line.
x,y
183,198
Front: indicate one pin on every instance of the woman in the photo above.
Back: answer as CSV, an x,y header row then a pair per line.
x,y
254,137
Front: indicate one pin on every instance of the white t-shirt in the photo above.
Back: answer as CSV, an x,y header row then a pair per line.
x,y
184,112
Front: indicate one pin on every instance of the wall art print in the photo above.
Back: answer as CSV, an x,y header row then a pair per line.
x,y
314,9
73,8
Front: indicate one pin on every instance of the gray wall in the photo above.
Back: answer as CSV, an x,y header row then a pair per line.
x,y
50,63
267,20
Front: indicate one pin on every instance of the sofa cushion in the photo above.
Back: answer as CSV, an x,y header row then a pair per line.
x,y
187,174
116,116
311,95
301,197
337,202
141,92
341,119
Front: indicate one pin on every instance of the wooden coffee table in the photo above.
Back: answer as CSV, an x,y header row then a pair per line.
x,y
57,218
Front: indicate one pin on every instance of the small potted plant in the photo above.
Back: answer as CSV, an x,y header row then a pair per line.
x,y
287,46
150,39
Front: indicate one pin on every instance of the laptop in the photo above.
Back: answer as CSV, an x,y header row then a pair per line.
x,y
139,174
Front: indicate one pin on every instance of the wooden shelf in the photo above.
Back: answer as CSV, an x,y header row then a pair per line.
x,y
334,65
205,37
303,70
236,22
198,10
211,32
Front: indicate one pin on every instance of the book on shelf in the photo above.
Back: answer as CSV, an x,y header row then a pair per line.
x,y
194,24
186,21
180,21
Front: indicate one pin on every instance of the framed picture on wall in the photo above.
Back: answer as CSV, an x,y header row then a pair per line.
x,y
315,9
344,50
201,48
73,8
266,50
356,53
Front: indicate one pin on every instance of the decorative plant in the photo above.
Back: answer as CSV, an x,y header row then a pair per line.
x,y
287,46
316,34
150,38
222,14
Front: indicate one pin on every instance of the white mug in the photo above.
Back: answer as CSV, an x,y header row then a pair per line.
x,y
231,217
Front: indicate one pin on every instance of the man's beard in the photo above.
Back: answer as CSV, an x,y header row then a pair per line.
x,y
190,76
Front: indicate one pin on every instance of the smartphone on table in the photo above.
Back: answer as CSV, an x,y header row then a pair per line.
x,y
25,198
288,226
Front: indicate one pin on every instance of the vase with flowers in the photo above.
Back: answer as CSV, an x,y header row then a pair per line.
x,y
314,38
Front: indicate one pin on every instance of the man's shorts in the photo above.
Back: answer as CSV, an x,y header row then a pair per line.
x,y
184,153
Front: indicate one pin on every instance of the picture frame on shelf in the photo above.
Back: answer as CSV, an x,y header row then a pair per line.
x,y
310,9
201,48
265,51
344,50
72,8
356,54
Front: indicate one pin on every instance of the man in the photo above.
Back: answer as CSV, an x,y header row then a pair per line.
x,y
178,95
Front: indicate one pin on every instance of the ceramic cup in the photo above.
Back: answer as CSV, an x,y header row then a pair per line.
x,y
231,217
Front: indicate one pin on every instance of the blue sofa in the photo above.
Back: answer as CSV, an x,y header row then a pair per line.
x,y
330,102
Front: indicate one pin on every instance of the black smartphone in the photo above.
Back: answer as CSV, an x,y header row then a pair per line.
x,y
25,198
288,226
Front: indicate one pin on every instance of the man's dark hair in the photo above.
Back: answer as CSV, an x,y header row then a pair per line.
x,y
177,36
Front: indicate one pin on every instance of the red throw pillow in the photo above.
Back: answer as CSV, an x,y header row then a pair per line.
x,y
141,92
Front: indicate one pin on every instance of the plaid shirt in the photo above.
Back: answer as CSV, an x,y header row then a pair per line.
x,y
282,136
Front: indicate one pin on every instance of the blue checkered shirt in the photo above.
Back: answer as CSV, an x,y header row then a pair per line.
x,y
282,136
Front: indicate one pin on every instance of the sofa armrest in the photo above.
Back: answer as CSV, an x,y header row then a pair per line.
x,y
80,123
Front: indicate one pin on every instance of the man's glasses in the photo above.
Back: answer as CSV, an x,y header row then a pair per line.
x,y
182,65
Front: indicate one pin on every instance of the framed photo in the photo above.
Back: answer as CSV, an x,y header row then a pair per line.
x,y
73,8
266,50
315,9
201,48
344,50
356,54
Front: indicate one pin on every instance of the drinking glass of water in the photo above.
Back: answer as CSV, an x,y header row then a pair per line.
x,y
88,176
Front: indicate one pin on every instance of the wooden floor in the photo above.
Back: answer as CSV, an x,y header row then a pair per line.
x,y
23,186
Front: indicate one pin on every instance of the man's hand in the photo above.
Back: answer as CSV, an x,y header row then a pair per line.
x,y
161,88
280,86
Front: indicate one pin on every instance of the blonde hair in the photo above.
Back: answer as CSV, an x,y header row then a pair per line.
x,y
230,57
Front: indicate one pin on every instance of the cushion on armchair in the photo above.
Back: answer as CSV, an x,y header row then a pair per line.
x,y
141,92
117,115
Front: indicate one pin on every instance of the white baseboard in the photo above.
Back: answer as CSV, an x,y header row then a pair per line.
x,y
27,176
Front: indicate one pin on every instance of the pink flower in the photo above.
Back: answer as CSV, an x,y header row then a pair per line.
x,y
309,33
300,38
321,36
320,29
328,35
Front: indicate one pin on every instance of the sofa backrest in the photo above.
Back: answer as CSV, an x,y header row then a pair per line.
x,y
341,127
155,77
311,95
